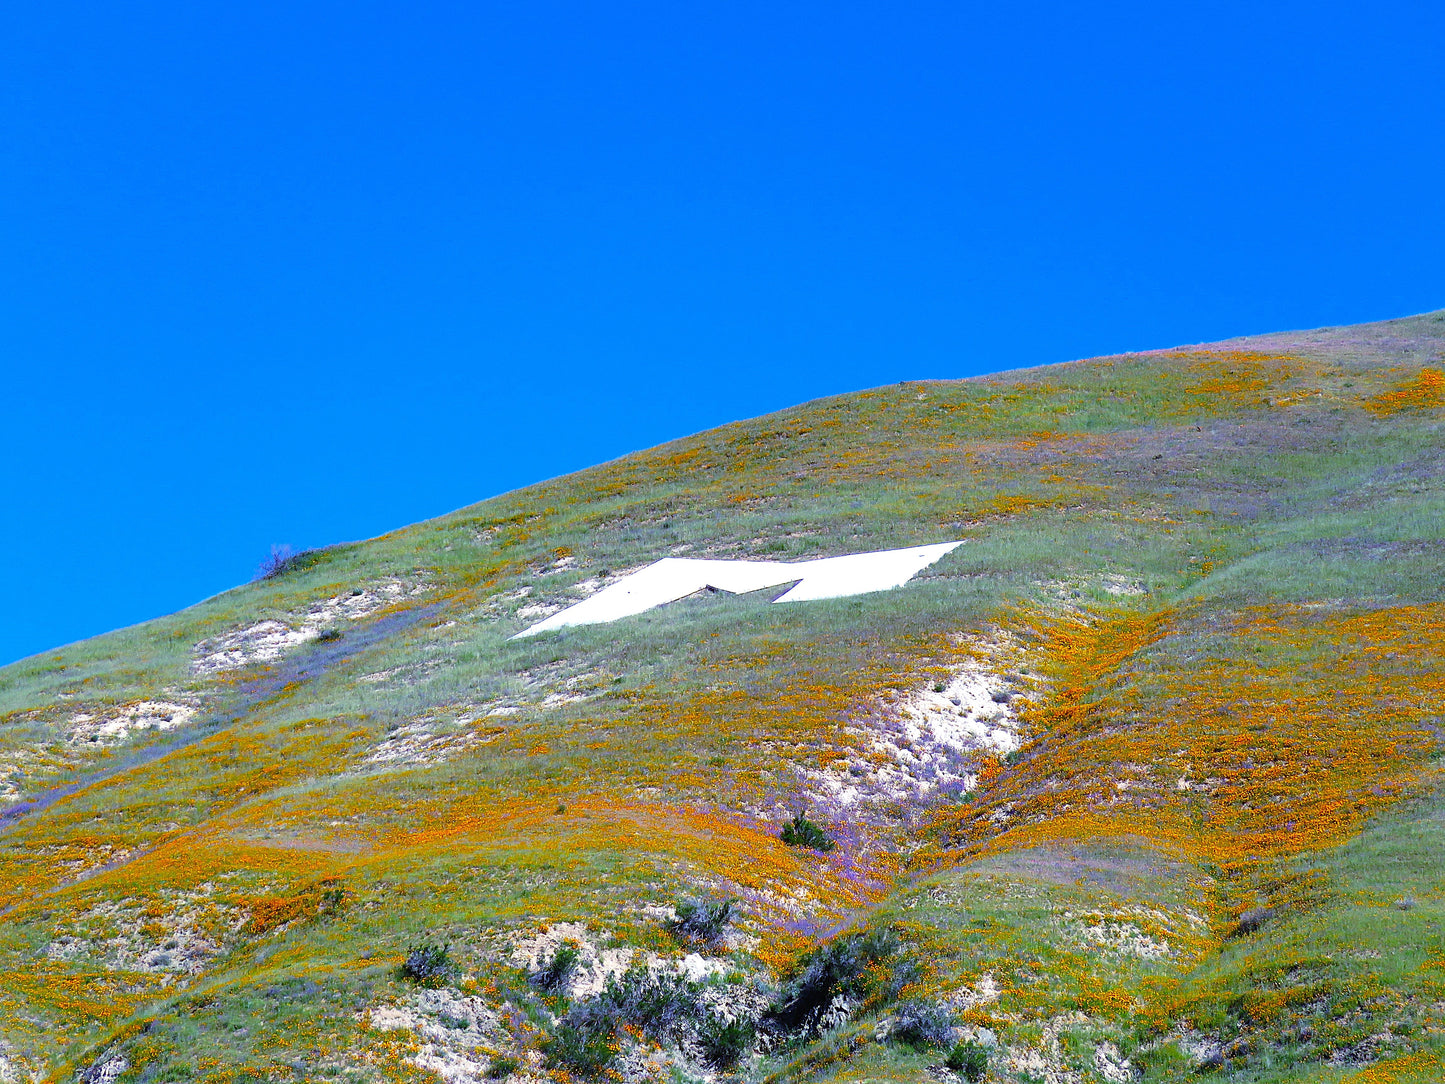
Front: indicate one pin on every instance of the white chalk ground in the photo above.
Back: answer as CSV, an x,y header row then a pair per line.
x,y
12,1071
117,937
596,965
144,715
418,743
267,641
1047,1063
459,1036
673,578
973,711
103,1072
1100,931
21,767
455,1032
931,738
1110,1064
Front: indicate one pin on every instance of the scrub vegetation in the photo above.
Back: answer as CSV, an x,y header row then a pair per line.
x,y
335,824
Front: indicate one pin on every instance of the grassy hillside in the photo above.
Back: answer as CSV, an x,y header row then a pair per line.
x,y
1200,603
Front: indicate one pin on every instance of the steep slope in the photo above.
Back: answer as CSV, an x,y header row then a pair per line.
x,y
1139,781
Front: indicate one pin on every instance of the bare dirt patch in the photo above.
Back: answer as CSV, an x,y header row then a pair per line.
x,y
114,727
176,936
267,641
915,744
456,1032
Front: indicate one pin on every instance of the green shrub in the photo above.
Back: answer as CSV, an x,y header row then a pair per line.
x,y
702,920
659,1005
503,1067
801,832
968,1059
332,900
427,964
725,1042
921,1025
869,966
581,1049
556,972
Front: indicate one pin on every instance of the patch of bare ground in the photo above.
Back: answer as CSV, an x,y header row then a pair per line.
x,y
114,726
267,641
913,745
175,936
421,743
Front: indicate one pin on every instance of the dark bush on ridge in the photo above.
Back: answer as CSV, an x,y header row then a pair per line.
x,y
284,559
801,832
702,920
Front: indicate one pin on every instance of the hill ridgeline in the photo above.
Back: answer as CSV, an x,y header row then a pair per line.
x,y
1135,778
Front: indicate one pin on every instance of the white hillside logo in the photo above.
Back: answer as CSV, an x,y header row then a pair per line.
x,y
673,578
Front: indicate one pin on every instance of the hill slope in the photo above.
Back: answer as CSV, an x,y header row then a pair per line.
x,y
1139,781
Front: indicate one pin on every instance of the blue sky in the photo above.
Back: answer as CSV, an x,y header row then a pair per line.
x,y
304,273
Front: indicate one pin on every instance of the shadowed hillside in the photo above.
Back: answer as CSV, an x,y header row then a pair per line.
x,y
1139,782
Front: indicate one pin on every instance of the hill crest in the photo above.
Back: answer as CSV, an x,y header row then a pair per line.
x,y
1137,781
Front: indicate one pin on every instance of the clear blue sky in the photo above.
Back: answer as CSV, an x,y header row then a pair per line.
x,y
301,273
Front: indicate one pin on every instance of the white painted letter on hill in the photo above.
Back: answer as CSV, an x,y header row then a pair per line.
x,y
673,578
